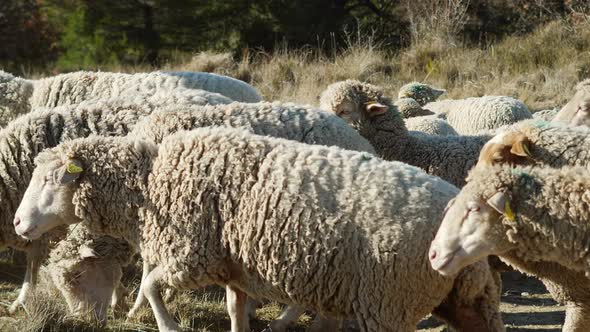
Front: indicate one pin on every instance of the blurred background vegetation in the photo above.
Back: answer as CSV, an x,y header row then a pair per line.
x,y
73,34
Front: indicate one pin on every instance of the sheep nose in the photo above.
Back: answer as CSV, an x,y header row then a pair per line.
x,y
432,254
16,221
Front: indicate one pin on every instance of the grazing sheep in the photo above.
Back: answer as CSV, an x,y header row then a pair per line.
x,y
18,96
538,142
410,108
568,111
422,93
87,270
449,157
283,120
14,97
221,206
430,125
28,135
419,119
470,116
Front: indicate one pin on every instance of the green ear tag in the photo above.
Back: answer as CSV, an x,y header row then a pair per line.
x,y
73,169
508,211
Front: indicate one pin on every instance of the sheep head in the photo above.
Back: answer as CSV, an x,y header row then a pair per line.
x,y
510,147
47,202
471,230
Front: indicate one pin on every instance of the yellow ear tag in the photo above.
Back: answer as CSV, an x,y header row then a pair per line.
x,y
73,169
371,102
508,212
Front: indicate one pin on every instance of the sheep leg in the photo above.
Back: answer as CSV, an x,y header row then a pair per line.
x,y
32,271
140,300
288,316
577,318
251,306
118,299
236,307
151,290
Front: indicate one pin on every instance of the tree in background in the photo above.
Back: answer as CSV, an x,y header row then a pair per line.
x,y
26,38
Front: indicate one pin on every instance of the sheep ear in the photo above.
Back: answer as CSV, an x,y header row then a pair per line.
x,y
375,108
87,252
520,147
68,173
498,202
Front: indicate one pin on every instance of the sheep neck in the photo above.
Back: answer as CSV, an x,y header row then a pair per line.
x,y
549,224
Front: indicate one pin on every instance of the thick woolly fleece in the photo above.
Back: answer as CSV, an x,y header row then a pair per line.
x,y
284,120
430,125
277,218
552,209
410,108
556,145
472,115
30,134
73,88
227,86
87,269
546,115
449,157
14,97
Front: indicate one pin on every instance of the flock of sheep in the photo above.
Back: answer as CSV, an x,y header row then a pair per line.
x,y
335,209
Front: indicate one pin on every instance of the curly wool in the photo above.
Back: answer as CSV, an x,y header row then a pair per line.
x,y
430,125
410,108
249,197
546,115
284,120
14,97
71,271
472,115
422,93
30,134
354,92
449,157
227,86
556,145
73,88
552,209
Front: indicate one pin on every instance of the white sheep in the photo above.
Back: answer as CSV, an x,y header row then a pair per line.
x,y
87,270
270,217
409,108
449,157
15,93
28,135
470,116
283,120
538,142
430,125
537,215
18,96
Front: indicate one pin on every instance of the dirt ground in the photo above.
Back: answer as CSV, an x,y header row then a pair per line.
x,y
526,306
